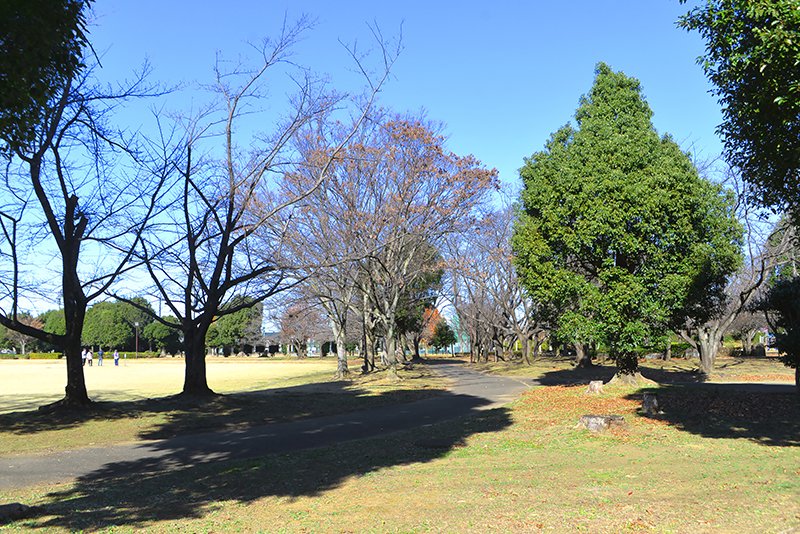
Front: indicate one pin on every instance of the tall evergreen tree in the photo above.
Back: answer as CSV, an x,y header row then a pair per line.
x,y
617,230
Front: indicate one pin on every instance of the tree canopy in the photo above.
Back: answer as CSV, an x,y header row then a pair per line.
x,y
753,59
41,44
782,307
617,230
443,335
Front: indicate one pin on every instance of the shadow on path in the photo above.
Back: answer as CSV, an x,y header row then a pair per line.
x,y
188,477
229,411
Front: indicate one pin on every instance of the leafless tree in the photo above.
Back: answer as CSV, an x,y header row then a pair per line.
x,y
300,323
766,245
488,296
420,195
20,339
72,212
226,233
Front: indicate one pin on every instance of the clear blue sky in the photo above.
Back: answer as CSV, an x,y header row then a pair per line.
x,y
502,75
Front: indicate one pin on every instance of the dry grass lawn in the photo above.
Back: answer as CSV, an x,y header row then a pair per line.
x,y
709,464
136,401
26,384
717,460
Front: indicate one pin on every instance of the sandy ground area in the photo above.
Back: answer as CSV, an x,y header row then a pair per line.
x,y
26,384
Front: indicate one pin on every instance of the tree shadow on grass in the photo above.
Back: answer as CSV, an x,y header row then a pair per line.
x,y
188,477
584,375
220,412
764,413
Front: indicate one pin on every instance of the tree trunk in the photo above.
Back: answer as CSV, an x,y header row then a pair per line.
x,y
582,356
194,380
627,369
797,377
416,358
747,342
390,354
339,333
708,346
526,348
537,344
74,315
75,390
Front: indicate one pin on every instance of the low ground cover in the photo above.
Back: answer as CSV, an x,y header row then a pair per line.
x,y
715,461
561,370
135,401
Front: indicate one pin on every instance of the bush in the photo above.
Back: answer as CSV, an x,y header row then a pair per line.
x,y
43,356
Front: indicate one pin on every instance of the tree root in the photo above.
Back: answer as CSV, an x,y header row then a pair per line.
x,y
634,379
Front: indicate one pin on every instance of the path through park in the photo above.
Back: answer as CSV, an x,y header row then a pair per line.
x,y
470,393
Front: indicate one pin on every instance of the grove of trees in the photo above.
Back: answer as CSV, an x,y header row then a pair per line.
x,y
342,221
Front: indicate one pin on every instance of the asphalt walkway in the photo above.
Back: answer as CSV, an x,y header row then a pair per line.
x,y
470,393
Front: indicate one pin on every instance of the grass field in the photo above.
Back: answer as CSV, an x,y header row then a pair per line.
x,y
716,460
136,400
26,384
551,371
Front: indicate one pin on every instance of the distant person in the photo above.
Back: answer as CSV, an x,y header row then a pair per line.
x,y
116,358
89,357
83,357
100,357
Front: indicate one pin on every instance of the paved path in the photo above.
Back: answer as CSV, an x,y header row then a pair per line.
x,y
471,392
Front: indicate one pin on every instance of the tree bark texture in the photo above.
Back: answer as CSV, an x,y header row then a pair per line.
x,y
194,380
582,356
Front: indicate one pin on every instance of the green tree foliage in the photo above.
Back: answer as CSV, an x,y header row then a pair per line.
x,y
782,307
54,321
753,59
240,328
104,327
161,337
138,311
41,44
113,324
617,232
443,335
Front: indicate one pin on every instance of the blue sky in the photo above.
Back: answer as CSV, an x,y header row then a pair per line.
x,y
502,76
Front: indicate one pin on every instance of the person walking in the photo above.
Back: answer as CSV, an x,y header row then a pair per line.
x,y
89,357
100,357
83,357
116,358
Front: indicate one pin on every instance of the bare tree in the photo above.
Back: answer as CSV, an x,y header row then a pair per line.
x,y
214,242
766,246
372,230
20,339
72,213
487,291
299,324
422,194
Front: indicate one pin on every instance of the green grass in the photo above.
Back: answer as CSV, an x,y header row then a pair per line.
x,y
297,390
523,468
551,371
717,460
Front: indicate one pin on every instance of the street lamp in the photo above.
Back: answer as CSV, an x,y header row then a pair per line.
x,y
136,324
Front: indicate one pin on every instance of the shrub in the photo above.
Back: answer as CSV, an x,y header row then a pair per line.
x,y
43,356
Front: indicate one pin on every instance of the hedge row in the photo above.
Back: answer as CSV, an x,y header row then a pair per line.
x,y
32,356
58,355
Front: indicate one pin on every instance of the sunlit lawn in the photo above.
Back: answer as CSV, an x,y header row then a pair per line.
x,y
136,400
713,462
